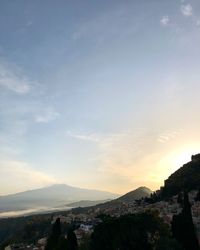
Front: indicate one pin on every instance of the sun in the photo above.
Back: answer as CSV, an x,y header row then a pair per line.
x,y
181,159
184,155
175,159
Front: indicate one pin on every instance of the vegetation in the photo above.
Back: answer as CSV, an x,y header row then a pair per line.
x,y
59,241
198,196
184,179
54,236
180,198
183,227
144,231
24,229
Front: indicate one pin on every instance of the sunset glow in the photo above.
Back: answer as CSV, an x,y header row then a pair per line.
x,y
97,94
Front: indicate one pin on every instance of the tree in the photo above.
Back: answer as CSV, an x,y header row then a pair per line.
x,y
62,243
85,243
180,198
53,239
198,196
183,227
132,232
72,241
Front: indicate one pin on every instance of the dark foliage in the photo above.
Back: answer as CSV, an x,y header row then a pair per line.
x,y
54,237
59,241
198,196
132,232
180,198
23,229
72,241
154,197
62,243
183,227
185,178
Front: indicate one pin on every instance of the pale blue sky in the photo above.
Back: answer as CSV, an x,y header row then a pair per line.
x,y
97,94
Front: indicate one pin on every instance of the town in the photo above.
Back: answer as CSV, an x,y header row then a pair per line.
x,y
86,220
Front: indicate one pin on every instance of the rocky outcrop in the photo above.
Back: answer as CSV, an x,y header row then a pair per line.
x,y
185,178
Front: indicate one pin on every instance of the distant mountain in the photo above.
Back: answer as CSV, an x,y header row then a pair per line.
x,y
136,194
185,178
51,196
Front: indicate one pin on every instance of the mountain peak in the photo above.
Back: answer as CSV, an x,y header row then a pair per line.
x,y
54,195
145,189
58,185
136,194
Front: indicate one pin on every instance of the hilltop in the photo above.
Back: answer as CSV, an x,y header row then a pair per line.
x,y
185,178
136,194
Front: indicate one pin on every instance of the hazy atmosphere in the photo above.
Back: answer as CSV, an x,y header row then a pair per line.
x,y
97,94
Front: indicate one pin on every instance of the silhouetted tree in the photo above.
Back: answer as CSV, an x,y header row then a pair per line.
x,y
180,198
85,243
62,243
183,227
72,241
53,239
133,232
166,243
198,196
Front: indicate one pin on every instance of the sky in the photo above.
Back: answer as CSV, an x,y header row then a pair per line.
x,y
97,94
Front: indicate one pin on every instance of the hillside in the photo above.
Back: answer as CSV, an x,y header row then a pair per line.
x,y
136,194
185,178
86,203
55,195
131,196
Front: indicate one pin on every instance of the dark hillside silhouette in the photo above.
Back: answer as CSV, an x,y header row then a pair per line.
x,y
185,178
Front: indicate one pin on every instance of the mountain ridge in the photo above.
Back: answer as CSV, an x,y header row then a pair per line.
x,y
58,185
54,195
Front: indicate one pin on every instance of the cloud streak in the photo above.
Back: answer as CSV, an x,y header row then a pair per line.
x,y
119,153
46,118
187,10
165,21
169,135
14,80
131,156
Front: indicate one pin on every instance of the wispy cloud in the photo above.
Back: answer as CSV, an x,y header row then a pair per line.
x,y
187,10
114,143
169,135
21,175
119,153
165,21
103,140
92,137
14,80
47,117
131,156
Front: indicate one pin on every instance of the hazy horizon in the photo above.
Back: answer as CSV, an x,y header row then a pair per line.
x,y
57,184
97,94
